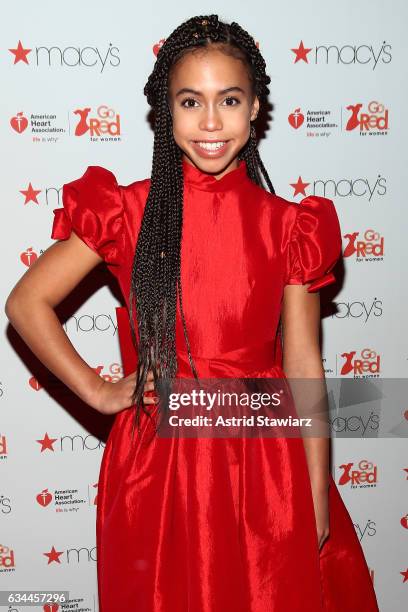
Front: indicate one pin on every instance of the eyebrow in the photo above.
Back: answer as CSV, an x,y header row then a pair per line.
x,y
185,90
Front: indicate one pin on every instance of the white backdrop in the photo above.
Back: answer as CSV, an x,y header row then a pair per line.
x,y
339,67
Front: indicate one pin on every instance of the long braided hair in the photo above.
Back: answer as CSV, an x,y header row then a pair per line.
x,y
156,277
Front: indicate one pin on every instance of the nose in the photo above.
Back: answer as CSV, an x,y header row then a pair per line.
x,y
210,120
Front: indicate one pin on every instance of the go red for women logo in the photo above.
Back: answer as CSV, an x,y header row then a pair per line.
x,y
363,475
374,119
103,125
366,365
368,248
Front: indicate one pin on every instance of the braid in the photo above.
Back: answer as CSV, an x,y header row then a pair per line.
x,y
156,270
254,162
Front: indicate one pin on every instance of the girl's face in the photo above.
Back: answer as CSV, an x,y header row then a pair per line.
x,y
212,104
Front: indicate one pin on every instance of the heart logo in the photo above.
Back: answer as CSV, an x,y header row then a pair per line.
x,y
33,382
44,498
54,607
158,46
404,521
28,257
19,123
296,119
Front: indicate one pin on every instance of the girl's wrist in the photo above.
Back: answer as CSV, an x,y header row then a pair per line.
x,y
92,391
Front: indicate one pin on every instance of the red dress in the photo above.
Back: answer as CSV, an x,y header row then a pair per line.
x,y
217,524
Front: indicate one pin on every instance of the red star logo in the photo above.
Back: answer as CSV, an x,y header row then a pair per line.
x,y
46,443
299,187
20,54
30,194
301,53
53,555
405,574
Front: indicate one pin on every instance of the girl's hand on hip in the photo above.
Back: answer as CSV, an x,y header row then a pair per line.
x,y
111,398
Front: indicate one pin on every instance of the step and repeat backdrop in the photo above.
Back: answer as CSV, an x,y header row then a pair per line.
x,y
72,95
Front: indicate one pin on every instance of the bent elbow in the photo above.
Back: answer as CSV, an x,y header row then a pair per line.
x,y
13,305
9,307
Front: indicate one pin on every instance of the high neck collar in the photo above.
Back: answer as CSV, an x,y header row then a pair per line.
x,y
206,182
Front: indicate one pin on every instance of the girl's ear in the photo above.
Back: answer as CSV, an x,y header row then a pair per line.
x,y
255,108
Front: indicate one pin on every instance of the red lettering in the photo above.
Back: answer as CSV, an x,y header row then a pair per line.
x,y
361,248
378,249
364,121
114,126
355,477
375,365
94,127
7,560
104,126
382,123
358,365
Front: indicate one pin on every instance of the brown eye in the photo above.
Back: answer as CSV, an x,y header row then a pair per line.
x,y
231,101
188,103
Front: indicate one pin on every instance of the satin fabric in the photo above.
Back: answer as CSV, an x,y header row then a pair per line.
x,y
226,524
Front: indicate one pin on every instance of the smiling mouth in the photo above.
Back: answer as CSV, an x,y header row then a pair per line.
x,y
210,145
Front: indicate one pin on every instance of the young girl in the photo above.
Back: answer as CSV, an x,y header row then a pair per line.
x,y
220,278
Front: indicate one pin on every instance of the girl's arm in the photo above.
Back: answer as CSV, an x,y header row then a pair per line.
x,y
30,309
302,359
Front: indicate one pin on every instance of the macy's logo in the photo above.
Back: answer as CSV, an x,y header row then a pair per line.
x,y
345,54
71,57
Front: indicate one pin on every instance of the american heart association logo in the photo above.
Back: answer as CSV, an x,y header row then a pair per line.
x,y
296,119
19,123
158,46
33,382
44,498
54,607
28,257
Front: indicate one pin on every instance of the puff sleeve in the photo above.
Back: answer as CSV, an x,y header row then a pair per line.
x,y
93,209
315,244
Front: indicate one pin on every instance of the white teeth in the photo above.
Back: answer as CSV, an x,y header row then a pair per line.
x,y
211,146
